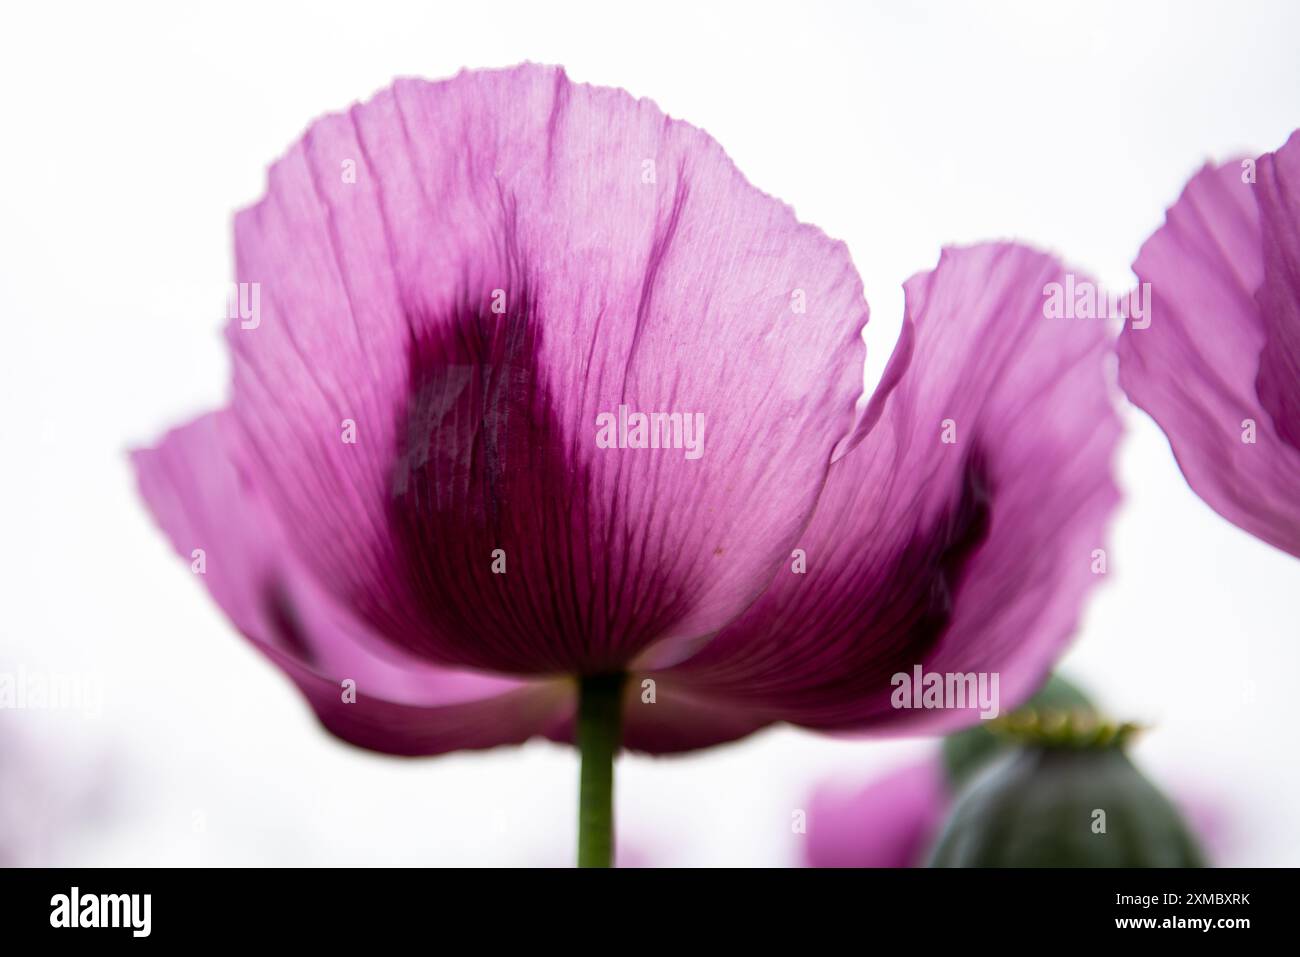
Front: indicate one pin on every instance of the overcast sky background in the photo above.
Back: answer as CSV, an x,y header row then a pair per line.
x,y
130,137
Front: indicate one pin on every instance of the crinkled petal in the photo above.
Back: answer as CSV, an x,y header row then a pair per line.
x,y
467,274
1195,369
890,823
964,557
217,521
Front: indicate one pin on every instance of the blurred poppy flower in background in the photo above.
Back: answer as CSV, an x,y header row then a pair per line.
x,y
891,822
430,501
49,800
1219,366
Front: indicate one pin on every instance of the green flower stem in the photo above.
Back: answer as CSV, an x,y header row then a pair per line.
x,y
600,728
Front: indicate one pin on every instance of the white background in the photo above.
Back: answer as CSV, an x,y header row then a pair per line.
x,y
129,137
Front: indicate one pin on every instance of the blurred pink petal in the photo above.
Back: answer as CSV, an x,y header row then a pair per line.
x,y
889,823
1212,819
51,798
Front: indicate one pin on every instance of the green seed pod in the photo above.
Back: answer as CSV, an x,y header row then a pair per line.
x,y
966,752
1072,803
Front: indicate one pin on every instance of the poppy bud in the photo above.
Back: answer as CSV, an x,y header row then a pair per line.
x,y
1068,797
969,750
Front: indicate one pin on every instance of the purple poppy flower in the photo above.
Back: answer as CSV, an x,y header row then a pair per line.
x,y
1219,366
432,503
